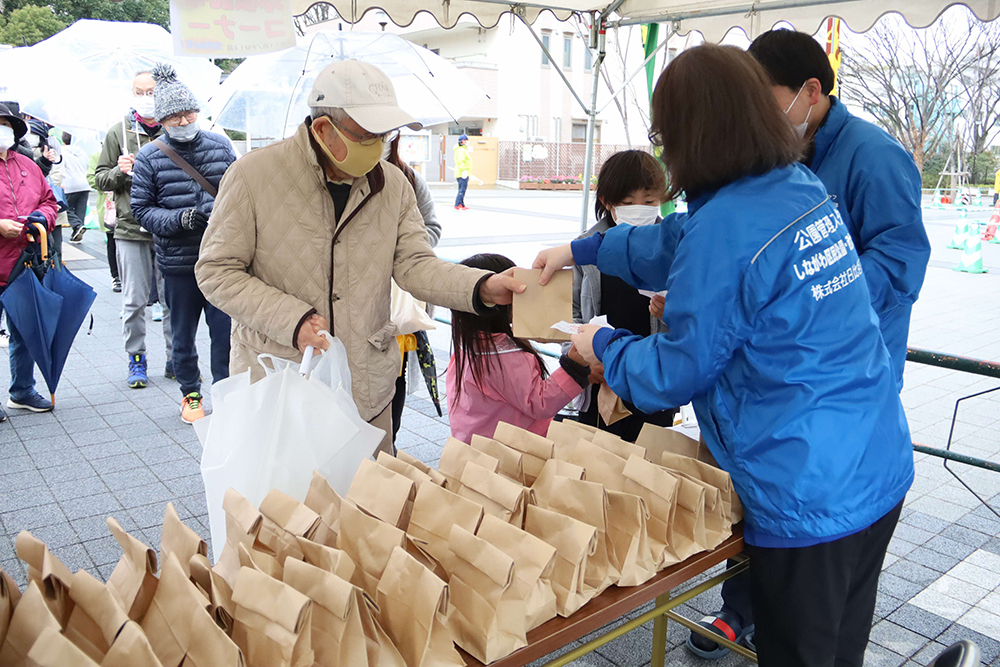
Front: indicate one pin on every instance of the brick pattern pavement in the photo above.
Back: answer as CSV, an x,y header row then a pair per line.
x,y
110,450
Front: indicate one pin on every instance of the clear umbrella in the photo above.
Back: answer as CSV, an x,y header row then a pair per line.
x,y
266,96
80,78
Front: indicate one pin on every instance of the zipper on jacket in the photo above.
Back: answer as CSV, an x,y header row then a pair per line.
x,y
13,195
333,246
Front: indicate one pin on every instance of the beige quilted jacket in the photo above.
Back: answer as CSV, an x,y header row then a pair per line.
x,y
273,254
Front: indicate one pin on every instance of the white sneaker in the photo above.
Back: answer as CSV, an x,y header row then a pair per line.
x,y
157,312
4,338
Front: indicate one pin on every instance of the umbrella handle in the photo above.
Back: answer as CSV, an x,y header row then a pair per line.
x,y
43,239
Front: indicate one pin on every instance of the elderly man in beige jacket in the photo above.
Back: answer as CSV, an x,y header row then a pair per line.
x,y
307,232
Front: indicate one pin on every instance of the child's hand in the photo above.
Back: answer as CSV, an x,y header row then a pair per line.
x,y
656,306
551,260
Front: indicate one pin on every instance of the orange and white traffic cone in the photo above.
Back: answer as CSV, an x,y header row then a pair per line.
x,y
991,227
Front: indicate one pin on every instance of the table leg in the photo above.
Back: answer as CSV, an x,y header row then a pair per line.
x,y
660,634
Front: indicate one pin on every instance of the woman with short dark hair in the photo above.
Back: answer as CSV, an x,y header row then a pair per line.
x,y
773,338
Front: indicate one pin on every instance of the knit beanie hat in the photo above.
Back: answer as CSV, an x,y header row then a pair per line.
x,y
170,96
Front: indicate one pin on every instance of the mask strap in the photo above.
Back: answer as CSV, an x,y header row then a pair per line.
x,y
795,99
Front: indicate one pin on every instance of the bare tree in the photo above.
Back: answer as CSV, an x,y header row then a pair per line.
x,y
909,80
980,85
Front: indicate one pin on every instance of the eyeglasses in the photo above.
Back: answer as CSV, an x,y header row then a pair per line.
x,y
367,139
175,120
655,138
139,93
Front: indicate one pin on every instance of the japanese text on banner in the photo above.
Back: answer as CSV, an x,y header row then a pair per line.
x,y
231,28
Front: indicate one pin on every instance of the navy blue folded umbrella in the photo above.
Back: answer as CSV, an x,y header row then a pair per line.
x,y
47,313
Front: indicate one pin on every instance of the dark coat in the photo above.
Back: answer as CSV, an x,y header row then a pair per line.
x,y
161,192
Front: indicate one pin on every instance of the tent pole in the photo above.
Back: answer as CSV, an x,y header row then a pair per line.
x,y
639,70
597,37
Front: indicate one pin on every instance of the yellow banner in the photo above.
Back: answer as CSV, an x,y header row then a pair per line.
x,y
833,48
231,28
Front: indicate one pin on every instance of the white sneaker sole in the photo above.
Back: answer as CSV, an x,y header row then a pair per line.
x,y
20,406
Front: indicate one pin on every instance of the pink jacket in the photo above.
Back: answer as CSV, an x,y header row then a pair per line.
x,y
513,392
23,190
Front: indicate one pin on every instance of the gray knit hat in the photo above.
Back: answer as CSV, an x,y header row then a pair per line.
x,y
170,96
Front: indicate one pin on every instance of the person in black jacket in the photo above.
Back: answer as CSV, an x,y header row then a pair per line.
x,y
175,208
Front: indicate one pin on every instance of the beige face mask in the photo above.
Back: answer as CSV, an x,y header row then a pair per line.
x,y
360,159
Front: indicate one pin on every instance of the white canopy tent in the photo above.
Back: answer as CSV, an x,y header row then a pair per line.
x,y
712,18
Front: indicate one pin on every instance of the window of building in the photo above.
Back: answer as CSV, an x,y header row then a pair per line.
x,y
556,129
545,43
567,52
588,57
579,134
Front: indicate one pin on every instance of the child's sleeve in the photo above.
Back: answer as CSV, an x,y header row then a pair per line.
x,y
518,382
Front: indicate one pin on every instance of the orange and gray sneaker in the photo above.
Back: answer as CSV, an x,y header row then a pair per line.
x,y
192,408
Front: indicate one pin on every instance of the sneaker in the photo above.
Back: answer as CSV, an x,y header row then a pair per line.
x,y
137,378
157,312
723,624
191,408
168,371
463,207
116,285
458,208
78,234
32,401
3,416
4,338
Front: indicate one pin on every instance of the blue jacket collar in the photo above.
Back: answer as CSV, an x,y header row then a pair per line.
x,y
828,131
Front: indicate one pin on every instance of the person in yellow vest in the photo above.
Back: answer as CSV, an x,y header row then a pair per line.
x,y
463,167
996,187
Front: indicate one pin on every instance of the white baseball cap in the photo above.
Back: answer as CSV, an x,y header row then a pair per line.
x,y
364,92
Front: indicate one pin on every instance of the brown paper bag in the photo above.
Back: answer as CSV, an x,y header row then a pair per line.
x,y
133,581
434,474
400,466
586,502
534,560
284,521
31,617
180,629
710,474
610,405
511,460
616,445
384,494
369,542
340,615
177,538
413,604
220,596
487,616
328,559
9,596
628,538
535,449
556,468
569,432
435,511
601,465
537,308
261,562
48,572
131,648
243,522
322,499
499,496
454,457
273,621
52,649
574,542
716,519
657,439
658,489
96,617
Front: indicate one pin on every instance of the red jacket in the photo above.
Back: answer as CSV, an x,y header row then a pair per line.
x,y
23,190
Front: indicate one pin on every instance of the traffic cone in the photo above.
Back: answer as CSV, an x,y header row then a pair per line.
x,y
961,232
991,228
972,255
936,203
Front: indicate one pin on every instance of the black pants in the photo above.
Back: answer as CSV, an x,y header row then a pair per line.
x,y
76,208
628,428
814,606
112,255
186,304
463,185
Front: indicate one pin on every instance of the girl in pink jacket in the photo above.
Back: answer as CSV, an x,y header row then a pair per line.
x,y
494,377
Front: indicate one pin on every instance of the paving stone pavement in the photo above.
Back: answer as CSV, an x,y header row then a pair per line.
x,y
108,450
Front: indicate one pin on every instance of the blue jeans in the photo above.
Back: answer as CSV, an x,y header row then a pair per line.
x,y
22,366
463,185
186,303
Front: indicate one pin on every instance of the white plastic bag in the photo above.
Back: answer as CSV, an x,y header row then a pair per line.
x,y
274,433
408,314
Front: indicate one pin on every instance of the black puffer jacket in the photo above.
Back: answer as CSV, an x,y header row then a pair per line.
x,y
161,192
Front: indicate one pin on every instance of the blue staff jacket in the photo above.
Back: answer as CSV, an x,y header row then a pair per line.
x,y
877,188
773,337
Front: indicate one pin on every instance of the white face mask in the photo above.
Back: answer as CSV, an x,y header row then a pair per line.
x,y
6,137
803,127
183,133
638,215
144,105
